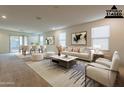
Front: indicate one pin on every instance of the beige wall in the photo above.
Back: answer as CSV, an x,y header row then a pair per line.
x,y
116,32
116,38
4,40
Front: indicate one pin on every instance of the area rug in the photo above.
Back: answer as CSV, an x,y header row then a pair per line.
x,y
58,76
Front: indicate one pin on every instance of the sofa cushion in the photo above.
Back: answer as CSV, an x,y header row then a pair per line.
x,y
71,53
104,62
82,49
68,53
107,54
65,52
85,50
82,55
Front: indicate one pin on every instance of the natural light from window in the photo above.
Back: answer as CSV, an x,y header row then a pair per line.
x,y
41,40
100,37
25,40
62,39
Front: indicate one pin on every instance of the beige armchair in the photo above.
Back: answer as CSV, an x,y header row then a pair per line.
x,y
105,75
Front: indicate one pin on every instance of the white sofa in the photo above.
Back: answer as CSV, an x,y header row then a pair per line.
x,y
83,53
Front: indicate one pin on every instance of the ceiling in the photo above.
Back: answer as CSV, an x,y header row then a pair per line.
x,y
40,18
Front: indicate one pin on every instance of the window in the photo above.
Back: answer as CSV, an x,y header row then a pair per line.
x,y
25,40
21,40
15,42
33,39
62,39
41,40
100,37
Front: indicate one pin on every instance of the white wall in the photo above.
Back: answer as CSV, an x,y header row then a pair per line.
x,y
4,43
116,32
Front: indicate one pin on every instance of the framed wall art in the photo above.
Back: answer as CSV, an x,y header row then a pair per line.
x,y
50,40
79,38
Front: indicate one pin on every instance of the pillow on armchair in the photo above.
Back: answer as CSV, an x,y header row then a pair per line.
x,y
113,65
104,61
107,54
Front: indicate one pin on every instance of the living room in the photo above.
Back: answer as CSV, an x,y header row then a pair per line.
x,y
65,37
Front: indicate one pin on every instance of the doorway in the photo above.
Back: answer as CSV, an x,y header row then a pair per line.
x,y
15,43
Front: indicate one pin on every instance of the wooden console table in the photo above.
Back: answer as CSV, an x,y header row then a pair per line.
x,y
97,55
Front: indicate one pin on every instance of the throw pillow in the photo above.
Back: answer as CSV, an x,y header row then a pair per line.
x,y
70,49
76,49
82,49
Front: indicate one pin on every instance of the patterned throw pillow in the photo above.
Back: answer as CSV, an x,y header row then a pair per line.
x,y
76,49
70,49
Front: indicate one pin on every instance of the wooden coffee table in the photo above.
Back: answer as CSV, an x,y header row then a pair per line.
x,y
64,61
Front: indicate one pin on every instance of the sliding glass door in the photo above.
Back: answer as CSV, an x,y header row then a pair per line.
x,y
15,42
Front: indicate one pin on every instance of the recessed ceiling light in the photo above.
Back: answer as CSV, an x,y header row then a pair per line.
x,y
56,6
38,18
53,28
3,16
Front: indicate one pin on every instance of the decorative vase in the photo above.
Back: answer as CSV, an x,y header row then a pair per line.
x,y
66,56
59,54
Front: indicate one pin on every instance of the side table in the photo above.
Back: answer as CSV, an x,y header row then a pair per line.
x,y
97,55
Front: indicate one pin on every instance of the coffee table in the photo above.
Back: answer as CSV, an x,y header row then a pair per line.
x,y
64,61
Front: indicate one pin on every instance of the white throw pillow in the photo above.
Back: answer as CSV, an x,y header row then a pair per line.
x,y
82,49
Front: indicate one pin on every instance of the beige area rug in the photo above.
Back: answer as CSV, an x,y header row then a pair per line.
x,y
58,76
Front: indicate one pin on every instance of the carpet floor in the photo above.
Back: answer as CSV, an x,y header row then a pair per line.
x,y
15,73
